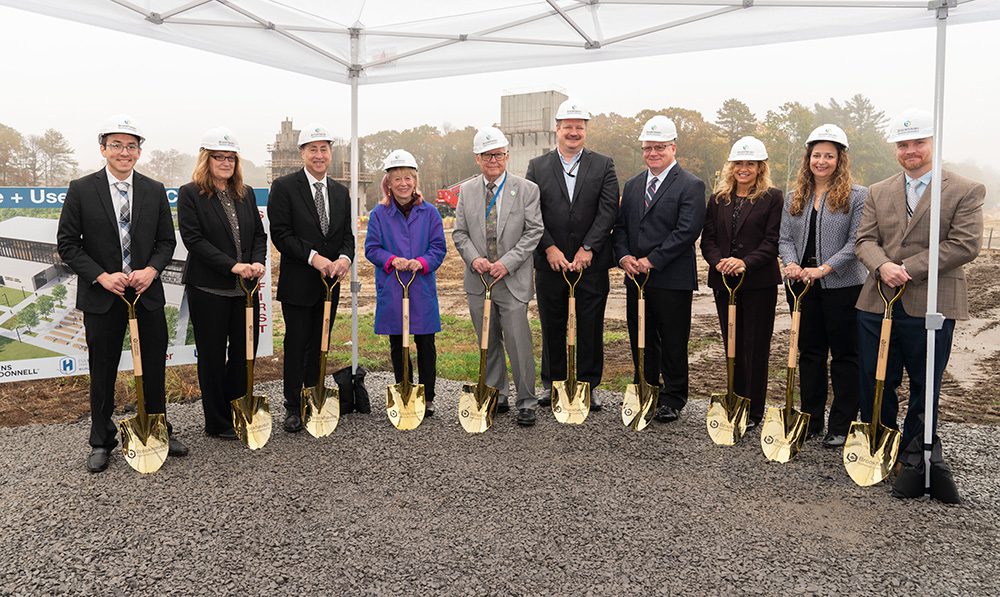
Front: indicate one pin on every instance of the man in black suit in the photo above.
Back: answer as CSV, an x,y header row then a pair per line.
x,y
661,216
310,218
579,202
117,202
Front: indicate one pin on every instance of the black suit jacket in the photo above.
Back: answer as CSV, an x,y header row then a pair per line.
x,y
757,233
88,239
588,219
665,233
208,237
295,230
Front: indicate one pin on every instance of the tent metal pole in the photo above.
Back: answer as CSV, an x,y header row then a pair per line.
x,y
933,321
355,72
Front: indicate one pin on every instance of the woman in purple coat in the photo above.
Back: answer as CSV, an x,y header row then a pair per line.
x,y
405,234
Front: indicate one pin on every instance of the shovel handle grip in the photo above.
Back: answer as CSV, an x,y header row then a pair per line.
x,y
571,323
484,342
641,340
324,341
883,349
793,340
133,333
406,322
731,333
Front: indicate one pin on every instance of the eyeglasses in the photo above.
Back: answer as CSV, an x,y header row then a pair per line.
x,y
218,157
660,148
117,147
493,157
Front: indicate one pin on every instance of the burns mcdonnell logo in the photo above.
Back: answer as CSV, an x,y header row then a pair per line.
x,y
67,365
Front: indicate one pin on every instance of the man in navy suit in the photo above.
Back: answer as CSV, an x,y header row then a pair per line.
x,y
660,218
310,216
116,202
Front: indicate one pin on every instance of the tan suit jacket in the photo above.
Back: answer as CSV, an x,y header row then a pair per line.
x,y
885,235
519,228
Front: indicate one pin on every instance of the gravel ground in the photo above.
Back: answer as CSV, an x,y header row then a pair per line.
x,y
592,510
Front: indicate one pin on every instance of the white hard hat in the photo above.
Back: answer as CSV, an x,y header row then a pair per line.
x,y
120,123
488,138
828,132
748,148
219,139
658,128
314,131
572,109
399,158
911,124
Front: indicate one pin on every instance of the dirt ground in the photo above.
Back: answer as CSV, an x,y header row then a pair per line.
x,y
970,393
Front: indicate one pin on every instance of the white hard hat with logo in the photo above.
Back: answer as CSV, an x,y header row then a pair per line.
x,y
120,123
658,128
911,124
828,132
572,109
748,148
314,131
220,139
399,158
488,138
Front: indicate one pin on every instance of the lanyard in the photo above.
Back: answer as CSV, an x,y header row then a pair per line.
x,y
495,195
572,169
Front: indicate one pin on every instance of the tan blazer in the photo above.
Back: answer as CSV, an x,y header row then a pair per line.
x,y
885,235
519,228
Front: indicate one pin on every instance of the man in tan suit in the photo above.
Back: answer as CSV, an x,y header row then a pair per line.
x,y
498,224
893,242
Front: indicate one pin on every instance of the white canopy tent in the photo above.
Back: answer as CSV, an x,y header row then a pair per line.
x,y
360,42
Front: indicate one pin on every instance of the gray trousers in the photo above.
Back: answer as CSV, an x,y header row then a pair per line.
x,y
509,331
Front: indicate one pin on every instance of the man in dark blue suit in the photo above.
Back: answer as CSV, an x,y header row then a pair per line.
x,y
660,218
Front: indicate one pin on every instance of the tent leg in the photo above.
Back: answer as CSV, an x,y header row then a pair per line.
x,y
355,201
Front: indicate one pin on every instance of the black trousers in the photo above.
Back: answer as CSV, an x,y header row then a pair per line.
x,y
303,327
668,329
829,328
426,360
220,338
553,312
105,335
754,328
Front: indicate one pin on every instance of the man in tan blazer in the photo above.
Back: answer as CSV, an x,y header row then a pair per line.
x,y
893,243
498,224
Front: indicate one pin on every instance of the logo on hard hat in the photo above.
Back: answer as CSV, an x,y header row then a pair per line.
x,y
906,123
652,127
225,137
746,147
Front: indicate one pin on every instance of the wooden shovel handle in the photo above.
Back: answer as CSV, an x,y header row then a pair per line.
x,y
133,333
324,342
484,342
571,323
731,333
793,340
883,349
641,340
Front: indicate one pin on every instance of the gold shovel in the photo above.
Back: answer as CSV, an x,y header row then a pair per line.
x,y
478,403
871,448
404,402
638,406
727,413
320,404
571,398
785,429
145,441
251,414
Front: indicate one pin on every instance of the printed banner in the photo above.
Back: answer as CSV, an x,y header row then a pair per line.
x,y
41,331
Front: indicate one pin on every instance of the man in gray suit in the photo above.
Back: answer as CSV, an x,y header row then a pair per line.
x,y
498,223
893,243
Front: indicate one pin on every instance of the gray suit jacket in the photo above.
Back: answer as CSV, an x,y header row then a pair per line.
x,y
885,235
519,228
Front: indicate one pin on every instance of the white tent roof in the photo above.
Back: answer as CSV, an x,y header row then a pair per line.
x,y
401,40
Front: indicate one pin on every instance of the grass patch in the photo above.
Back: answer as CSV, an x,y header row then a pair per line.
x,y
12,350
12,296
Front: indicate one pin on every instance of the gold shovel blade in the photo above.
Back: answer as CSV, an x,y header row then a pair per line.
x,y
405,408
252,420
145,443
320,410
569,407
476,419
778,445
867,464
725,427
638,410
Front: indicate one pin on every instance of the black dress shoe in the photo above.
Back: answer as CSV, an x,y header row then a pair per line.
x,y
545,398
943,487
666,413
503,407
909,483
176,448
596,404
526,417
98,460
228,434
834,440
292,424
813,433
752,424
429,409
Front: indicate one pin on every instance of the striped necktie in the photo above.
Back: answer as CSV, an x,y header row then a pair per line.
x,y
324,220
912,198
124,223
651,192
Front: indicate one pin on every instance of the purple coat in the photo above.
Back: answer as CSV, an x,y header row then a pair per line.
x,y
421,236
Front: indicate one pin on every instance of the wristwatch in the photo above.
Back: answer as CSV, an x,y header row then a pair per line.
x,y
587,248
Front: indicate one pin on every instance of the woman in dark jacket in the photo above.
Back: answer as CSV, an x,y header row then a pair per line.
x,y
818,230
742,224
222,230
